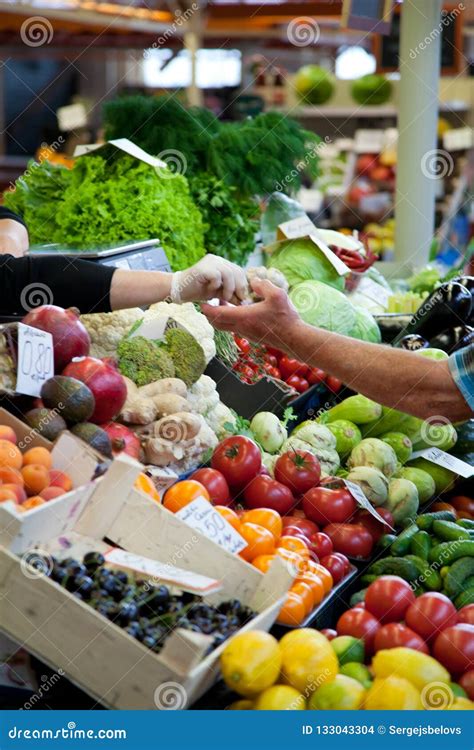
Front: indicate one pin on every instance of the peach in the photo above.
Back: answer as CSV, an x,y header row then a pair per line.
x,y
32,502
60,479
10,455
36,478
8,433
11,476
39,455
17,490
7,495
51,493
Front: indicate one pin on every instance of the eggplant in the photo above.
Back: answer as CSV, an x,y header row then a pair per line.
x,y
447,307
413,342
453,339
468,282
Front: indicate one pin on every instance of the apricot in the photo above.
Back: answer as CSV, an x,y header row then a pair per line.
x,y
60,479
39,455
7,495
51,493
10,455
11,476
36,478
17,490
8,433
32,502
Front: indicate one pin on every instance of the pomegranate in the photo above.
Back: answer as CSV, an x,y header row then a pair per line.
x,y
70,338
106,383
123,440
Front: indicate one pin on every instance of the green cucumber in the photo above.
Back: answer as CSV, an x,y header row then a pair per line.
x,y
386,541
428,576
425,521
448,552
367,579
466,523
459,572
357,597
469,582
401,545
420,544
467,597
449,531
397,566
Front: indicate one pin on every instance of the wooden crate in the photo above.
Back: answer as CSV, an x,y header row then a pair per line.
x,y
103,660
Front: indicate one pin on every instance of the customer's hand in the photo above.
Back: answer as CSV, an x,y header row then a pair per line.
x,y
211,277
270,321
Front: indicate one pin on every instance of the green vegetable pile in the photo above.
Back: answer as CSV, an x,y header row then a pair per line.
x,y
229,222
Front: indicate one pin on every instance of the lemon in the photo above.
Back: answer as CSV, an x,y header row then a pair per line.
x,y
251,662
343,693
419,668
242,705
347,648
280,698
392,693
461,704
308,660
358,672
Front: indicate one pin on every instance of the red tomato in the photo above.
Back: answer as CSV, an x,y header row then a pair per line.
x,y
238,458
430,613
320,544
350,539
298,470
374,527
395,634
276,352
302,524
299,384
454,648
271,360
288,366
463,503
388,598
273,372
246,373
335,566
323,505
265,492
215,484
345,561
315,375
360,624
329,633
334,384
466,614
242,344
467,682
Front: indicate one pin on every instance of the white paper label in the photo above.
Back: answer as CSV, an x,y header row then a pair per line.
x,y
368,141
458,139
35,359
339,266
437,456
372,290
160,571
300,227
200,515
359,496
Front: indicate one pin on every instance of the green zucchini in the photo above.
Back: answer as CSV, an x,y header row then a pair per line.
x,y
457,575
386,541
448,552
397,566
428,576
425,521
401,545
449,531
462,600
420,544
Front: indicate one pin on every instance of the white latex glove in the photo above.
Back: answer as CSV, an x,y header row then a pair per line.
x,y
211,277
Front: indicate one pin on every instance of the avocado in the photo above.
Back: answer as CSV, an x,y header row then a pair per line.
x,y
68,396
47,422
94,436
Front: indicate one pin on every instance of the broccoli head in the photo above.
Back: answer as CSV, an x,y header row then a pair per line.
x,y
187,355
143,361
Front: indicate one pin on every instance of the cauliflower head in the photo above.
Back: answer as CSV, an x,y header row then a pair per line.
x,y
106,330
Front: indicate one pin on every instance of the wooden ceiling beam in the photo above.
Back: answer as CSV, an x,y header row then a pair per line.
x,y
241,11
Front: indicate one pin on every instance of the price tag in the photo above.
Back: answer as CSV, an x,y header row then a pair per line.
x,y
338,265
367,141
35,359
359,497
458,139
437,456
376,292
200,515
300,227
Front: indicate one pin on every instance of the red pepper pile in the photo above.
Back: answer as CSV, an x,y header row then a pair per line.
x,y
355,260
256,361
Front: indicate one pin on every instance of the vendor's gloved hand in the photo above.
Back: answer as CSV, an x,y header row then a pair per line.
x,y
211,277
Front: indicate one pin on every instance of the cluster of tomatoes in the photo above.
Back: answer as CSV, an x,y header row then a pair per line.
x,y
255,361
391,616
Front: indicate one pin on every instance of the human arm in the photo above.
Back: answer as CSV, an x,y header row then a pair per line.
x,y
396,378
13,234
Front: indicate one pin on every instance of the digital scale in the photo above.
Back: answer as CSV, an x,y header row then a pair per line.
x,y
139,255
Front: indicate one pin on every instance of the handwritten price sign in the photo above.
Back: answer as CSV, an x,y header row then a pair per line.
x,y
35,359
200,515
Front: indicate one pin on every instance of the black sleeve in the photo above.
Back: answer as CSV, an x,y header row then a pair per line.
x,y
30,282
5,213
